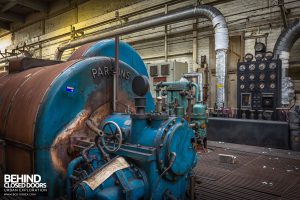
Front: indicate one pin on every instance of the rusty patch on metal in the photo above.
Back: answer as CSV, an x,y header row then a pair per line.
x,y
59,150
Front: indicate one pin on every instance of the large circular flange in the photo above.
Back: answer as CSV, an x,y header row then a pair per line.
x,y
180,142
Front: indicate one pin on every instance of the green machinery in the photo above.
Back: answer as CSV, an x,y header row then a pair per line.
x,y
182,99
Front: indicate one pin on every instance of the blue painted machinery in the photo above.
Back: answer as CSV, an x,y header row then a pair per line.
x,y
182,99
135,156
57,121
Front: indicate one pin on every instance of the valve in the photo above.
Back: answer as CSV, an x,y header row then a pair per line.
x,y
112,136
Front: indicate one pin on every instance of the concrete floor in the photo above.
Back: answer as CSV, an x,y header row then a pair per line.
x,y
260,173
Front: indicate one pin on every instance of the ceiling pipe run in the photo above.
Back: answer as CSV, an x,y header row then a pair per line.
x,y
282,49
213,14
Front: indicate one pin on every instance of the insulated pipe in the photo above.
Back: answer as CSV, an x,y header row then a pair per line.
x,y
213,14
282,50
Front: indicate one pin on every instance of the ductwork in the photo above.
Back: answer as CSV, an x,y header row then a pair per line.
x,y
282,50
213,14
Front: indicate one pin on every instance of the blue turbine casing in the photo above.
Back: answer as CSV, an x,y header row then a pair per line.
x,y
73,96
126,54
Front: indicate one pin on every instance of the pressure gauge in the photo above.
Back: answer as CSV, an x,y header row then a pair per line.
x,y
252,86
242,78
252,67
251,77
259,56
261,77
261,85
248,57
262,66
242,68
272,85
269,55
272,76
272,65
259,47
242,86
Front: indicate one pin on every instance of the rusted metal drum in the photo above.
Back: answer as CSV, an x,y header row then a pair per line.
x,y
43,108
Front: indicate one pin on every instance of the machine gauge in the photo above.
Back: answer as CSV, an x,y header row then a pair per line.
x,y
242,86
261,85
252,67
272,85
269,55
242,78
248,57
272,65
252,76
252,86
273,76
259,56
242,68
261,77
262,66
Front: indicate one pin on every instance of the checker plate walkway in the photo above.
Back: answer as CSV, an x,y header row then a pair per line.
x,y
260,173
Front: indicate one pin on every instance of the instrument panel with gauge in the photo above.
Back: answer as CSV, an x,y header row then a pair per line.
x,y
258,83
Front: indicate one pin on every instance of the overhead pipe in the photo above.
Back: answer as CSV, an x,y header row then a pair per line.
x,y
212,13
282,49
21,55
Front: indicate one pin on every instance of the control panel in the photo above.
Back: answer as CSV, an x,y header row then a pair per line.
x,y
258,86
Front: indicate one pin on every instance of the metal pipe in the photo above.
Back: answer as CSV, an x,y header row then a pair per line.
x,y
197,97
282,49
21,55
213,14
71,167
116,73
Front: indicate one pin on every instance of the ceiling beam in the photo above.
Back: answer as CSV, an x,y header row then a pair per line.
x,y
8,6
4,25
35,5
11,17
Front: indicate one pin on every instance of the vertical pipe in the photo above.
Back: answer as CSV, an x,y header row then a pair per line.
x,y
116,73
166,36
195,47
221,60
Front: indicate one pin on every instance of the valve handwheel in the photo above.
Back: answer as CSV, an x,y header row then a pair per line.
x,y
112,137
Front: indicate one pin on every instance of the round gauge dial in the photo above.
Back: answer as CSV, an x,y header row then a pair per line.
x,y
242,78
272,85
252,76
261,85
252,67
259,56
248,57
259,46
242,86
262,66
269,55
273,76
242,68
261,77
272,65
252,86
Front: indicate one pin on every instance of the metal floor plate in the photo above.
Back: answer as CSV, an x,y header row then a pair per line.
x,y
255,176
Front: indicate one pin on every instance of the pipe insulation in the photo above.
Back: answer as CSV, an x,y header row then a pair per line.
x,y
282,49
209,12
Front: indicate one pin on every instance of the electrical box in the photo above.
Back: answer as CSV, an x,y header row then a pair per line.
x,y
165,72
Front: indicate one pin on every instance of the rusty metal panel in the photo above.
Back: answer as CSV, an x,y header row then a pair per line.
x,y
24,107
80,51
9,85
21,95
